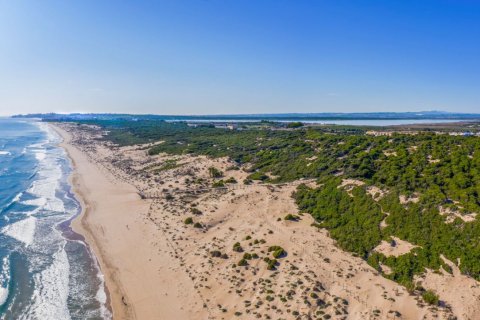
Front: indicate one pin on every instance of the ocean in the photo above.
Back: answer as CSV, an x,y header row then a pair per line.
x,y
46,270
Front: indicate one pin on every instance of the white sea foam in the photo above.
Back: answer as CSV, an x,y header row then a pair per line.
x,y
45,190
17,197
46,186
23,230
50,296
5,153
52,136
4,280
49,173
39,202
36,145
55,205
40,155
101,295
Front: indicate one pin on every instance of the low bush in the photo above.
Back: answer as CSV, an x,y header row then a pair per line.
x,y
237,247
278,252
214,172
430,297
242,262
218,184
216,254
196,211
231,180
291,217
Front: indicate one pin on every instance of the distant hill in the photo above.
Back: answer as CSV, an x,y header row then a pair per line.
x,y
433,115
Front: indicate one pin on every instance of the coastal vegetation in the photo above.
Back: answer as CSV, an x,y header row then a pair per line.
x,y
422,188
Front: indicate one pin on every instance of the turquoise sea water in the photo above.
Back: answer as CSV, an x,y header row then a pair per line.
x,y
46,270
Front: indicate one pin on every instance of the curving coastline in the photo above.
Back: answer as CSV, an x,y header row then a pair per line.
x,y
127,248
82,172
79,223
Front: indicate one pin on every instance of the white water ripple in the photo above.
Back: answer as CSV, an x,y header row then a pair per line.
x,y
4,280
23,230
50,296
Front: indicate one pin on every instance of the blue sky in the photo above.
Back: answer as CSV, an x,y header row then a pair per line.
x,y
255,56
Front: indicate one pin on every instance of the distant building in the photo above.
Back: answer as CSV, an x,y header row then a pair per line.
x,y
229,126
379,133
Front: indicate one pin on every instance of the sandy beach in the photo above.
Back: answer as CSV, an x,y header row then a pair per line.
x,y
157,266
113,223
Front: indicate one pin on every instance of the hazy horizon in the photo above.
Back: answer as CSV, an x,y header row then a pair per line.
x,y
237,114
214,57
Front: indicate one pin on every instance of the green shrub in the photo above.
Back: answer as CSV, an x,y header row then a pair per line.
x,y
278,252
218,184
258,176
242,262
274,248
247,181
271,263
237,247
430,297
293,125
231,180
189,220
196,211
291,217
214,172
197,225
216,254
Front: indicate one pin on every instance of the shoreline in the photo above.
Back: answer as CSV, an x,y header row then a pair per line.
x,y
129,249
76,223
79,224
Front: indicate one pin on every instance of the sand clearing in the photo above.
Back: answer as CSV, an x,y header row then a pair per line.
x,y
415,198
461,292
159,267
390,153
451,214
395,248
349,184
376,193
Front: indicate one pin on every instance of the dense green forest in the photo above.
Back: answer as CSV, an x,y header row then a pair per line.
x,y
436,170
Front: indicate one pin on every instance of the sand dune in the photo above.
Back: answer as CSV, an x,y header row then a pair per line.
x,y
158,267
